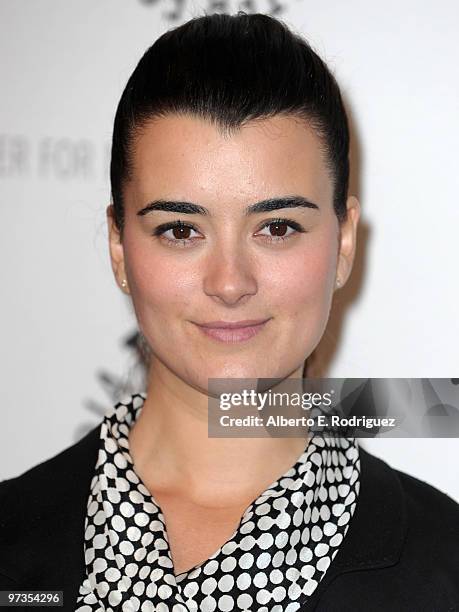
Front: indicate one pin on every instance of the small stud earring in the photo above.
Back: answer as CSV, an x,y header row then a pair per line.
x,y
338,282
124,283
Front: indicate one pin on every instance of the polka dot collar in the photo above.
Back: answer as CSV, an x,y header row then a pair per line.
x,y
283,546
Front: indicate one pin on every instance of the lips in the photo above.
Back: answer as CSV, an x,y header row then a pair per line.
x,y
232,325
231,332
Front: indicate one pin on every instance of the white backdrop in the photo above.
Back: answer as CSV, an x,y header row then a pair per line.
x,y
65,324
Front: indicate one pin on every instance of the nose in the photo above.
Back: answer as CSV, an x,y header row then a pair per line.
x,y
230,275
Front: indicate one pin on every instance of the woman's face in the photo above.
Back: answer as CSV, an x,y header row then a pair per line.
x,y
227,265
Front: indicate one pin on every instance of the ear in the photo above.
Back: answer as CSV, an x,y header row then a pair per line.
x,y
116,250
348,240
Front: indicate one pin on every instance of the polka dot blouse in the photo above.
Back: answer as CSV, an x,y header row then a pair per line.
x,y
285,541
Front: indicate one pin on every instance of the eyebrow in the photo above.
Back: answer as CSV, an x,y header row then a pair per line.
x,y
189,208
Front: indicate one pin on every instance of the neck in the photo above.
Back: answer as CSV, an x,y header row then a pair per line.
x,y
173,454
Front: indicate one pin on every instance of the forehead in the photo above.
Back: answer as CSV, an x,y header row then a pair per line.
x,y
187,156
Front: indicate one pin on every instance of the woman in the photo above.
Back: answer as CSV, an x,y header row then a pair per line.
x,y
230,229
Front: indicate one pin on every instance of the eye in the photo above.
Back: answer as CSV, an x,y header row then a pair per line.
x,y
180,233
280,229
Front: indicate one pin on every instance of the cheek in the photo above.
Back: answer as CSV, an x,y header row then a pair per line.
x,y
302,281
159,287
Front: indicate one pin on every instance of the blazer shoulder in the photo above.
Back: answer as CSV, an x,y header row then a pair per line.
x,y
432,522
437,507
430,553
420,497
45,487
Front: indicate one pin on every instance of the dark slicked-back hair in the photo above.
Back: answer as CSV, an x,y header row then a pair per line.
x,y
230,69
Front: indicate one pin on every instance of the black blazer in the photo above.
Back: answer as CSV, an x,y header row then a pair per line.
x,y
401,553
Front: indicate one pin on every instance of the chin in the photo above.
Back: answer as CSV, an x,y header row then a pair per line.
x,y
240,371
